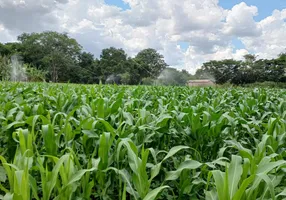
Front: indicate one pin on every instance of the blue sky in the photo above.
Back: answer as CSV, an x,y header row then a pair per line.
x,y
118,3
265,7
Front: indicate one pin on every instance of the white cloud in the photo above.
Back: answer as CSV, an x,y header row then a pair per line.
x,y
161,24
193,60
240,22
273,40
5,36
29,15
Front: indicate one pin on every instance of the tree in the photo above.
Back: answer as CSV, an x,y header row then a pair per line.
x,y
281,61
132,68
53,52
250,58
171,76
89,69
4,51
10,48
112,62
222,71
250,70
34,74
151,63
5,68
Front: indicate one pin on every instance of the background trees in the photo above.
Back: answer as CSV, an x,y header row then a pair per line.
x,y
53,52
56,57
151,63
60,58
250,70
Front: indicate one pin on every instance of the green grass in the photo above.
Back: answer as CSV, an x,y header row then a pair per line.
x,y
64,141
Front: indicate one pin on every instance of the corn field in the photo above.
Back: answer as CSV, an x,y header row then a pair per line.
x,y
75,142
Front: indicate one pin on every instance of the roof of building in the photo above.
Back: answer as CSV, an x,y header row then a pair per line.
x,y
200,81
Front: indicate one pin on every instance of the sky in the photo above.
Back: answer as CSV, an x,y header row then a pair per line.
x,y
186,32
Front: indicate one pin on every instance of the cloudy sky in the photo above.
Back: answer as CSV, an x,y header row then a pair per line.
x,y
186,32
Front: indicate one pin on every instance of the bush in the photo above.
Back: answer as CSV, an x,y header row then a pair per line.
x,y
267,84
148,81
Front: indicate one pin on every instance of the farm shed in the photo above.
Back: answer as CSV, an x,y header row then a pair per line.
x,y
200,83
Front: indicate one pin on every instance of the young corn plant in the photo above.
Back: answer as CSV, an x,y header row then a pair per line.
x,y
248,175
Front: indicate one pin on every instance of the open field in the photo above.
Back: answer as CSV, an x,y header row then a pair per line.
x,y
60,141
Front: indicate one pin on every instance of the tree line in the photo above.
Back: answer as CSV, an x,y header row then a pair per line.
x,y
55,57
250,70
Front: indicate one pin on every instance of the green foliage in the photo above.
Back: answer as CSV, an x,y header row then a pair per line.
x,y
151,63
248,71
112,61
267,84
171,76
5,68
125,78
141,142
148,81
34,74
52,52
55,57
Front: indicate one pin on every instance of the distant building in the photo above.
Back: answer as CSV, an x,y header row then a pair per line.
x,y
203,83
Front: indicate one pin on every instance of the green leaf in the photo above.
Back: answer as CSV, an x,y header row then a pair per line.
x,y
234,174
3,176
174,150
100,108
152,195
219,183
34,187
265,168
241,191
269,184
9,196
49,140
188,164
283,193
155,171
126,177
78,175
211,195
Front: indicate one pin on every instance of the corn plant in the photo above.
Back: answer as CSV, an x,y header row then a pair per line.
x,y
65,141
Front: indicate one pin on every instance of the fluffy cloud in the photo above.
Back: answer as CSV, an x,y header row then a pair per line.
x,y
240,22
193,60
29,15
273,40
161,24
5,36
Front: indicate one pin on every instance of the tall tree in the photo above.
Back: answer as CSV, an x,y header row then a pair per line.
x,y
90,71
151,63
222,71
53,52
10,48
112,62
250,58
4,50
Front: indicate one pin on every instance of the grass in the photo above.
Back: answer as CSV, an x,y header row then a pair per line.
x,y
64,141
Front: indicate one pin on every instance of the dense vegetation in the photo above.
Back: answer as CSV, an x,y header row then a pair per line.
x,y
141,142
63,60
251,70
56,57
